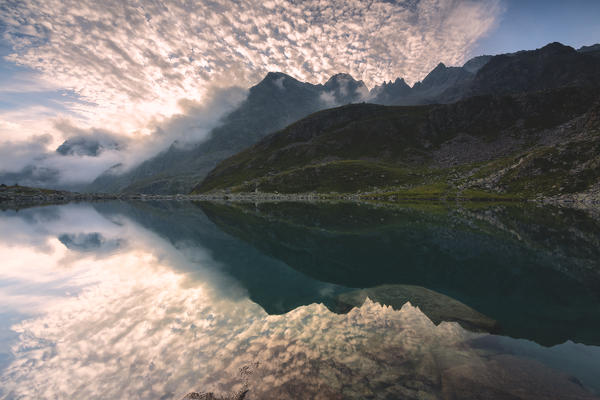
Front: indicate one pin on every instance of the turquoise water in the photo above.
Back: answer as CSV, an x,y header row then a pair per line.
x,y
155,300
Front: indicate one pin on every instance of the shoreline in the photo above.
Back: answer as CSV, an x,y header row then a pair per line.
x,y
17,200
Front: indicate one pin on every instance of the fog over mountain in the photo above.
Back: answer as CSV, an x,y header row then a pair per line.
x,y
85,154
300,199
280,100
181,150
129,68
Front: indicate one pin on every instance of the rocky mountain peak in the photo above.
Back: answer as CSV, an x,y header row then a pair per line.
x,y
390,92
276,79
593,50
271,76
86,146
556,47
436,74
341,77
343,88
476,63
552,66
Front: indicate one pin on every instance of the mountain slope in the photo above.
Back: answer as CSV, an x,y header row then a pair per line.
x,y
495,144
280,100
552,66
275,102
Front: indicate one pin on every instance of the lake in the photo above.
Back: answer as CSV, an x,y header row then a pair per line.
x,y
154,300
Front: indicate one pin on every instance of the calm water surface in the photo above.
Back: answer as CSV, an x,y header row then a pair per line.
x,y
301,301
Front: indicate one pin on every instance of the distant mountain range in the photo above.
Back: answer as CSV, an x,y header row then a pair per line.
x,y
279,100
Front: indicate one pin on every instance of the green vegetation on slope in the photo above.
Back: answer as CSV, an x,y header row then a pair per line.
x,y
485,148
337,176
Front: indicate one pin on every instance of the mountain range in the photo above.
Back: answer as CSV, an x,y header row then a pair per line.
x,y
524,145
498,83
274,103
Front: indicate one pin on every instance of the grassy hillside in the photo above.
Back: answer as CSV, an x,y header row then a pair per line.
x,y
506,147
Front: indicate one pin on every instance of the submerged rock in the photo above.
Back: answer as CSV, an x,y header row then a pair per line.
x,y
436,306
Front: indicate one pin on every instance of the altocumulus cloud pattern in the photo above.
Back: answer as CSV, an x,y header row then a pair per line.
x,y
131,62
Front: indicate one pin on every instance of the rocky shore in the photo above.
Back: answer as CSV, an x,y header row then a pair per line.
x,y
589,198
380,195
16,197
211,396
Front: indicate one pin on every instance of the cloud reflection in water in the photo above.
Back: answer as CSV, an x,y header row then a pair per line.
x,y
125,322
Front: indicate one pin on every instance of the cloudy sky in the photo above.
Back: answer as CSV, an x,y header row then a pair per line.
x,y
121,70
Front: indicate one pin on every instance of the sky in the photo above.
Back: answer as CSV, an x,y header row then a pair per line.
x,y
531,24
143,73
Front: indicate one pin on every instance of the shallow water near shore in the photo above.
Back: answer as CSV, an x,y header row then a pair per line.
x,y
296,300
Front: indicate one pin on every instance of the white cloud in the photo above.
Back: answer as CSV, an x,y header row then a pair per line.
x,y
328,98
151,54
52,169
131,63
279,82
14,156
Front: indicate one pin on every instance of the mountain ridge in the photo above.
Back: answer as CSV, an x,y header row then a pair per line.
x,y
280,99
506,147
275,102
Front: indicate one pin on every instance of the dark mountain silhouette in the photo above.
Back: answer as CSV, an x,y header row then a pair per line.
x,y
279,100
275,102
520,145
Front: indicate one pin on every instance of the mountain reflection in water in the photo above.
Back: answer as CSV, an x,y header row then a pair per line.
x,y
153,300
535,271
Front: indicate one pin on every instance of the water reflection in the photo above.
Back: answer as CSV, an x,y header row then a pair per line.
x,y
154,300
535,271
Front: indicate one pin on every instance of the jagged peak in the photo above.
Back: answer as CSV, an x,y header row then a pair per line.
x,y
277,79
397,81
275,75
341,76
438,70
556,45
400,82
590,48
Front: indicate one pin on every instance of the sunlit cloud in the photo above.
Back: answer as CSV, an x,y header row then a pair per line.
x,y
39,159
140,58
126,66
